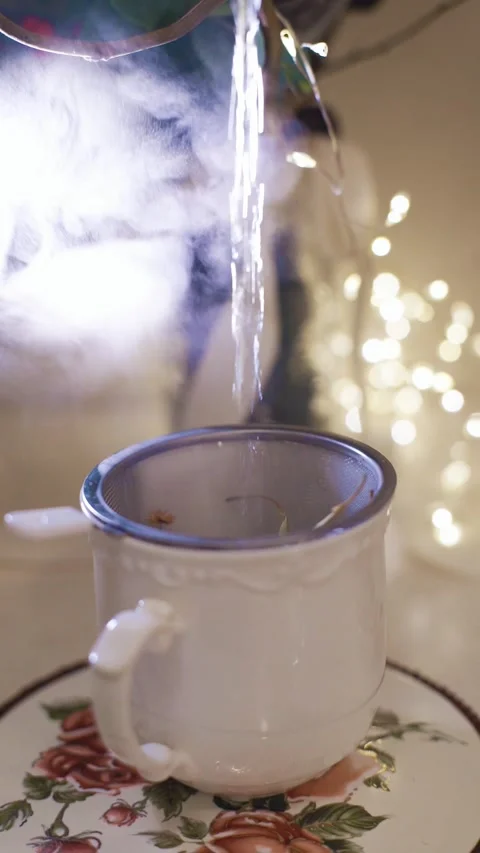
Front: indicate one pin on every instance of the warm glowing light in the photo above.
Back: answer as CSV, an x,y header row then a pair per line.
x,y
456,333
455,475
398,329
404,432
463,314
353,420
438,290
392,310
372,350
442,382
449,536
391,349
341,345
452,401
426,314
442,517
351,287
414,305
400,203
302,160
422,377
386,285
476,344
347,393
449,352
393,218
473,425
381,247
408,401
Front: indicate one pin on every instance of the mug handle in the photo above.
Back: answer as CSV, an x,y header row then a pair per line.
x,y
112,662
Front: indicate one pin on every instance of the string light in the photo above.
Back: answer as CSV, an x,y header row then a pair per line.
x,y
427,313
423,377
414,305
381,247
398,329
393,218
452,401
449,352
386,285
404,432
476,344
351,287
442,382
472,426
438,290
442,517
456,333
396,388
372,350
455,475
391,349
400,203
392,310
449,536
463,314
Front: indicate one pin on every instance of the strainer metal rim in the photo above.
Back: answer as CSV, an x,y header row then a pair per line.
x,y
103,517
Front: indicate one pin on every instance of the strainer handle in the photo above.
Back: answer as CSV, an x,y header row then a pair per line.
x,y
112,661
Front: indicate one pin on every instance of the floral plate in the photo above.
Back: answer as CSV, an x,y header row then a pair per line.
x,y
413,785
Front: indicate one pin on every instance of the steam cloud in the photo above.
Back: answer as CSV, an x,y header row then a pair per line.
x,y
114,198
111,175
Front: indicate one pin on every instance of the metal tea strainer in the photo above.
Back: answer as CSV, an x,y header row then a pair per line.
x,y
238,488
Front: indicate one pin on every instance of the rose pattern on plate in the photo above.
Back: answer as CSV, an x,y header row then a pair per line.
x,y
271,832
82,758
123,814
318,816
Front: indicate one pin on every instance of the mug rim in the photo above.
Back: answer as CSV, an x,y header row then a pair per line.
x,y
106,519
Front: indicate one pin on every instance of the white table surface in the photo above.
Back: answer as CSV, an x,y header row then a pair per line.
x,y
47,620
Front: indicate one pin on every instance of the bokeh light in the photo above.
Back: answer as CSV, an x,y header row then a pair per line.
x,y
404,432
449,352
398,329
381,247
455,475
351,287
442,382
448,536
453,401
472,426
438,290
462,313
456,333
423,377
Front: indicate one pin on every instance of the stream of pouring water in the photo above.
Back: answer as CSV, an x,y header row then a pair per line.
x,y
246,206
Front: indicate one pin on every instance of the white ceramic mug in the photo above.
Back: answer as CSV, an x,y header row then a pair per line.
x,y
247,665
